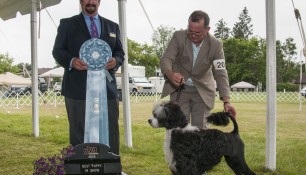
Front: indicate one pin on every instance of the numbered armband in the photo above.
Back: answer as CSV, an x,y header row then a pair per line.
x,y
219,64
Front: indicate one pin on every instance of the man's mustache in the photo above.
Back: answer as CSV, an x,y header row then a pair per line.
x,y
91,5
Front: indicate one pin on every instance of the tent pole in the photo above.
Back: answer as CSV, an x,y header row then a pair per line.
x,y
125,78
271,86
35,117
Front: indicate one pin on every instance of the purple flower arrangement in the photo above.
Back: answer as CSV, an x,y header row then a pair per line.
x,y
53,165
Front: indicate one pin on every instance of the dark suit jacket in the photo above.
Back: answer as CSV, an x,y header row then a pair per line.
x,y
178,57
72,33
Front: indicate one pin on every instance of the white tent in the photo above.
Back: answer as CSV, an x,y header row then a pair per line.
x,y
9,8
57,72
243,85
9,78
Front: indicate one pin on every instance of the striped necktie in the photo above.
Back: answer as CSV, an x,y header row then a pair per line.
x,y
93,28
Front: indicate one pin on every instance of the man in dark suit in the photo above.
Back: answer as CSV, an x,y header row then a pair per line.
x,y
72,33
196,59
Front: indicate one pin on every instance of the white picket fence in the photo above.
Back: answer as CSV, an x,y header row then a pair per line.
x,y
54,99
19,100
239,97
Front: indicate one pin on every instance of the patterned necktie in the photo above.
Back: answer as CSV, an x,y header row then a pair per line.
x,y
93,28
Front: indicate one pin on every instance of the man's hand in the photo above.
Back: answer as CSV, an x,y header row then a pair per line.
x,y
111,63
175,78
229,108
78,64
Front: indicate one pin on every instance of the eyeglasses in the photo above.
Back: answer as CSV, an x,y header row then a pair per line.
x,y
196,34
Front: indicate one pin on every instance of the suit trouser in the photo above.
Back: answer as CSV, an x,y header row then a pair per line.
x,y
76,117
193,106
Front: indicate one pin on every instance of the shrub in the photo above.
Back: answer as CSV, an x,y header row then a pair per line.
x,y
289,87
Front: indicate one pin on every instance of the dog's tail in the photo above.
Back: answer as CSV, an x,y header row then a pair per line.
x,y
222,119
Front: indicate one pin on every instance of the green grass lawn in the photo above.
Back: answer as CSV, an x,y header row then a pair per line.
x,y
19,148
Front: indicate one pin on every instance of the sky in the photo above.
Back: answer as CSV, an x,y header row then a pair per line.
x,y
15,33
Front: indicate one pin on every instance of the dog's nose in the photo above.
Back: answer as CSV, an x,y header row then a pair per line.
x,y
150,121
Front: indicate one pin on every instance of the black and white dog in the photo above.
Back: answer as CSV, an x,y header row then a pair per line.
x,y
193,151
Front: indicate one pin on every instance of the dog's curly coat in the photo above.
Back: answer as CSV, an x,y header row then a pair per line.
x,y
193,151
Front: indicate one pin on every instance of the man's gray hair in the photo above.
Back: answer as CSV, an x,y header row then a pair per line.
x,y
198,15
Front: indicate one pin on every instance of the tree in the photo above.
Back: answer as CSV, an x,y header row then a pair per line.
x,y
143,55
287,66
243,29
222,31
161,38
6,64
244,60
22,66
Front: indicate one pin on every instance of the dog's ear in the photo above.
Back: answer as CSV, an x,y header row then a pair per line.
x,y
171,110
175,115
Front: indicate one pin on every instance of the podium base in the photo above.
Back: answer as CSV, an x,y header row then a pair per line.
x,y
93,158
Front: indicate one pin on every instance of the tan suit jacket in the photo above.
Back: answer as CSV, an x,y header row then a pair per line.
x,y
178,57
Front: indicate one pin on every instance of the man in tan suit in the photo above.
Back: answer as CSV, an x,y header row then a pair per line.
x,y
194,59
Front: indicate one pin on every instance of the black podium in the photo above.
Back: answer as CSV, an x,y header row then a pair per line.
x,y
93,158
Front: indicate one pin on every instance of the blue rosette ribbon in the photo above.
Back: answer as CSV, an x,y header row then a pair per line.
x,y
96,53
